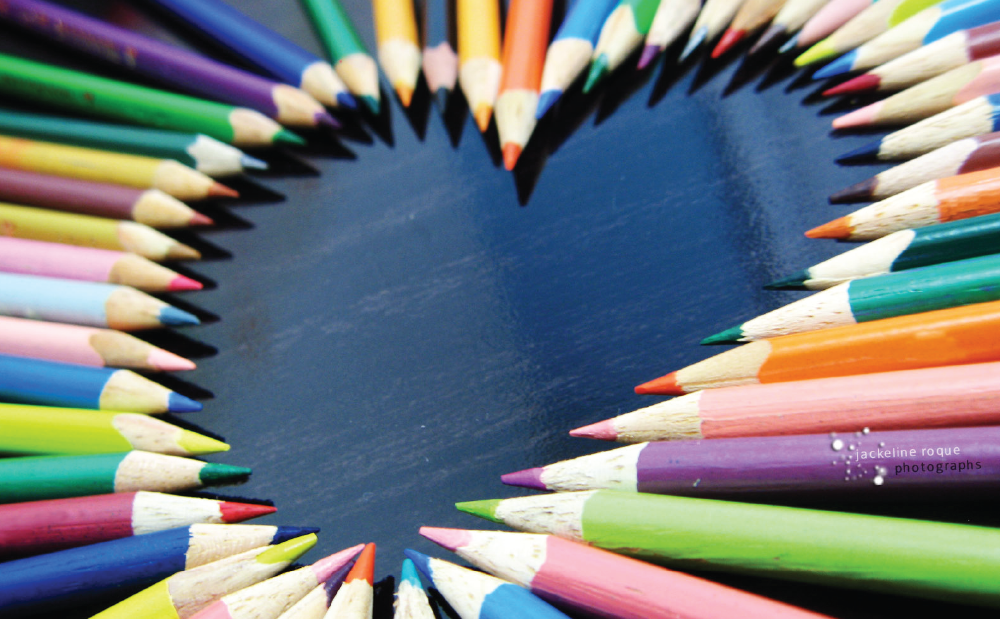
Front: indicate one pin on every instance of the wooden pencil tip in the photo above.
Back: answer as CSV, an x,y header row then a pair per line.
x,y
482,115
511,153
836,229
218,190
180,251
405,94
664,385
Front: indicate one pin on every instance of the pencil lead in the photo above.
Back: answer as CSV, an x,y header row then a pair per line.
x,y
218,190
789,45
602,431
364,566
861,83
545,102
767,40
372,103
865,153
177,403
664,385
730,38
239,512
649,54
405,94
821,51
528,478
449,539
199,444
511,153
175,317
598,69
214,473
420,560
791,282
836,229
323,119
858,118
483,113
347,101
486,509
287,137
858,192
199,219
697,38
252,163
288,551
844,64
167,361
286,533
730,336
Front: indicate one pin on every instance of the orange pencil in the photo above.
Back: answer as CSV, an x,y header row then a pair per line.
x,y
952,336
524,46
933,202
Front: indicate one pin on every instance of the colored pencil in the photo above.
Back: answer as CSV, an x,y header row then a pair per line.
x,y
398,45
952,562
86,303
952,284
479,67
672,19
571,49
752,16
954,336
474,595
48,383
100,96
792,16
411,599
46,431
354,65
175,67
863,27
925,27
795,465
440,62
950,52
54,477
900,251
125,565
89,264
355,598
151,207
104,166
46,526
976,117
948,396
270,598
610,586
827,21
226,27
524,46
35,224
624,32
201,152
712,20
948,199
315,603
961,157
928,98
185,593
53,341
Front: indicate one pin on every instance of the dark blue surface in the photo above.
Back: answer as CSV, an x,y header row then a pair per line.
x,y
415,321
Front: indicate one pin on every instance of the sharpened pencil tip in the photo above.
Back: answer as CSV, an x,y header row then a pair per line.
x,y
409,573
421,561
664,385
483,114
218,190
405,94
844,64
819,52
286,533
287,137
182,283
730,38
364,567
511,153
545,102
289,551
861,83
323,119
598,69
178,403
865,153
199,219
214,473
180,251
252,163
836,229
239,512
862,117
602,431
768,40
792,282
858,192
198,444
449,539
528,478
347,101
166,361
649,54
483,509
789,45
730,336
372,103
697,38
175,317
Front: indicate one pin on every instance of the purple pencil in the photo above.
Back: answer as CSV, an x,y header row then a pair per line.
x,y
861,462
167,63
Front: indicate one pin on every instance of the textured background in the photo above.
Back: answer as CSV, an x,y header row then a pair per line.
x,y
414,321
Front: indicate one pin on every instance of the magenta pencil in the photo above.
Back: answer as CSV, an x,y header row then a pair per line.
x,y
602,583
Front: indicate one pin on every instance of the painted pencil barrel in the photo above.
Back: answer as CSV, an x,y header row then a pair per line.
x,y
893,555
877,464
973,118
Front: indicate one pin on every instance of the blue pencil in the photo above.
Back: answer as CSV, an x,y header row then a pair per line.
x,y
475,595
91,304
123,566
440,62
411,599
571,49
263,48
50,383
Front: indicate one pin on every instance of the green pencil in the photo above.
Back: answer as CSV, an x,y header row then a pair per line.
x,y
201,152
624,32
39,478
958,563
90,94
351,59
43,430
962,282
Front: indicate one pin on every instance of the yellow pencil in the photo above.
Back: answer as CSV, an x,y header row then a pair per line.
x,y
479,56
104,166
398,45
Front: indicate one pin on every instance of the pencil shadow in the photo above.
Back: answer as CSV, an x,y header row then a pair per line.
x,y
530,164
802,80
208,251
750,68
382,592
252,192
352,126
204,316
181,386
491,139
847,104
442,609
671,71
381,125
569,113
281,162
782,68
178,343
214,496
620,86
455,113
418,113
222,217
709,68
326,144
184,421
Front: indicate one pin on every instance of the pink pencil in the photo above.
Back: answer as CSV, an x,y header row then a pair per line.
x,y
601,583
835,14
84,346
89,264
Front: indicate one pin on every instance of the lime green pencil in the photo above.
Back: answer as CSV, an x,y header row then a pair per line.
x,y
43,430
90,94
954,562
